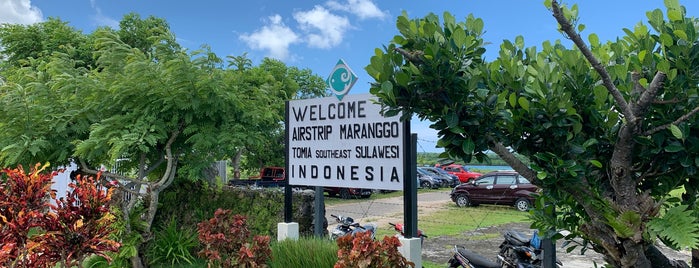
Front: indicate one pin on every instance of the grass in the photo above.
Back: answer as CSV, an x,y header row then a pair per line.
x,y
306,252
442,222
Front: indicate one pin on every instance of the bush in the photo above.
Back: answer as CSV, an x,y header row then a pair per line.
x,y
227,242
172,246
360,250
306,252
35,233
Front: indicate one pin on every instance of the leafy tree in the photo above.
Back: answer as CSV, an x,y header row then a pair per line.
x,y
20,43
145,107
610,129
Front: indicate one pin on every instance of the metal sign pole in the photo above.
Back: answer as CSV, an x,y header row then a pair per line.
x,y
409,181
288,211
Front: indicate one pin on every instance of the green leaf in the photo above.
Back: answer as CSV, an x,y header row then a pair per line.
x,y
452,119
601,94
513,100
666,39
522,101
594,39
678,226
519,42
596,163
541,175
468,146
674,15
676,132
674,147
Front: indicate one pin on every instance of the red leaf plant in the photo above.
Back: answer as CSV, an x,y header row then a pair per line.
x,y
227,242
360,250
75,227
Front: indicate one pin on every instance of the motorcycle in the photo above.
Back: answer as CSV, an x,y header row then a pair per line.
x,y
516,251
517,248
347,226
399,227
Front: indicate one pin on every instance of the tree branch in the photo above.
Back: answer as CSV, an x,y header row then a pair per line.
x,y
84,167
512,160
648,96
567,28
170,167
676,122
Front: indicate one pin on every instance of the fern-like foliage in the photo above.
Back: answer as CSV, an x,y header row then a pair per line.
x,y
678,228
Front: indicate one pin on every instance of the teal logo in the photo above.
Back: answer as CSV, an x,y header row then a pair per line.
x,y
341,79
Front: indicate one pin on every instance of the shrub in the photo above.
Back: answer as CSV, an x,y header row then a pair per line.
x,y
360,250
35,233
227,242
172,245
305,252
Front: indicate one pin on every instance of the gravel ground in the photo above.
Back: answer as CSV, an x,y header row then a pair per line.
x,y
439,249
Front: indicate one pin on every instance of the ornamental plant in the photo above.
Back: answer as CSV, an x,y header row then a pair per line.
x,y
227,242
360,250
36,233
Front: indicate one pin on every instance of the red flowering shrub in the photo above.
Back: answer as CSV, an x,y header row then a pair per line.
x,y
36,233
227,243
360,250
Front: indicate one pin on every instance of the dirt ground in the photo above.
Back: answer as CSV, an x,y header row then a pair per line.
x,y
440,249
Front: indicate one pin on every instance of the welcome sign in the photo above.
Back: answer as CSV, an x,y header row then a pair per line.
x,y
344,142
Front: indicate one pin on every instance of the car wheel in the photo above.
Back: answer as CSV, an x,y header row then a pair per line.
x,y
522,204
425,185
345,194
462,200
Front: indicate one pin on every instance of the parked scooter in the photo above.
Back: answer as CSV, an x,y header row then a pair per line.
x,y
517,248
399,227
516,251
347,226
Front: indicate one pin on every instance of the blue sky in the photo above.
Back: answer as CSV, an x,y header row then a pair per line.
x,y
315,34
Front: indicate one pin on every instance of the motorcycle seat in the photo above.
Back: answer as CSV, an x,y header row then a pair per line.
x,y
477,260
516,238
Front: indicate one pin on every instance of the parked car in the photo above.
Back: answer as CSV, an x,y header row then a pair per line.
x,y
427,182
347,193
497,187
464,174
450,179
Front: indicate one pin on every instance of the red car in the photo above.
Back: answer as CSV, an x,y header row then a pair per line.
x,y
460,171
497,187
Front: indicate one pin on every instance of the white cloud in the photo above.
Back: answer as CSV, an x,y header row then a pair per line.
x,y
274,37
19,12
324,29
364,9
100,19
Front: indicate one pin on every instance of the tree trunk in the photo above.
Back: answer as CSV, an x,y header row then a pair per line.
x,y
235,162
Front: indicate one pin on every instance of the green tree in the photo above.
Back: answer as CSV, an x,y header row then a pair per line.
x,y
610,129
146,108
21,43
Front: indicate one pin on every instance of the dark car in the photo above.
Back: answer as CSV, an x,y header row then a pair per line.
x,y
497,187
347,193
451,180
426,181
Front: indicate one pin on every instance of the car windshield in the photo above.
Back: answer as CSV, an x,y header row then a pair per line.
x,y
523,180
422,171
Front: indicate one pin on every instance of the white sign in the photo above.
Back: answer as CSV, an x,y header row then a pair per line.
x,y
344,143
